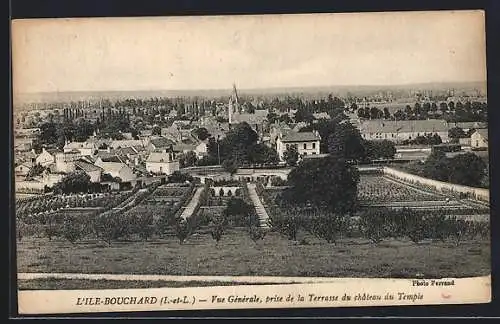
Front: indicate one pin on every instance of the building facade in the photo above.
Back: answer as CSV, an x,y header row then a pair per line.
x,y
162,163
479,139
307,143
403,130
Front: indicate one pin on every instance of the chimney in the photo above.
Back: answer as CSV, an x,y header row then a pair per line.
x,y
108,149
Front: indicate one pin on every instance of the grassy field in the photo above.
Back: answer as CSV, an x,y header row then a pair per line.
x,y
237,254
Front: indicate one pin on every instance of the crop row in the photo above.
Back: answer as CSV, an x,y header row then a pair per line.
x,y
379,189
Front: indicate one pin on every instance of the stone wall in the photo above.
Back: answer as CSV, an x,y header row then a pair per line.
x,y
444,187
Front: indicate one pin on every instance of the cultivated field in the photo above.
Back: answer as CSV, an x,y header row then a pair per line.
x,y
385,244
237,255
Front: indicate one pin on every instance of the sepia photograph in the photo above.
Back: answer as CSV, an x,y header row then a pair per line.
x,y
251,152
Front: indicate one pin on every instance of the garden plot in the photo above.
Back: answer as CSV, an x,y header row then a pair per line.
x,y
378,189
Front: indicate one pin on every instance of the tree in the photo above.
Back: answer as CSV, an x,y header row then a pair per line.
x,y
451,105
202,133
188,159
436,166
111,226
143,224
303,115
156,130
179,177
466,169
346,143
74,182
36,170
239,211
379,149
230,165
291,155
83,130
456,133
48,133
328,183
443,107
73,229
181,230
235,146
387,114
329,227
374,225
262,154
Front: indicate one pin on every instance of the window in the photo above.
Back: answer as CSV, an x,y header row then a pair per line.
x,y
314,145
314,152
305,153
305,146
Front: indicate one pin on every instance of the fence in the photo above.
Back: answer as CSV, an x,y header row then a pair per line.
x,y
443,187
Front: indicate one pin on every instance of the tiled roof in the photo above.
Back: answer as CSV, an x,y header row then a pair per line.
x,y
300,137
161,142
78,145
468,125
113,166
126,151
259,117
184,147
87,167
158,157
404,126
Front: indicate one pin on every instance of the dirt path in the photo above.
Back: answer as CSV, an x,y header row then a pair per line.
x,y
127,277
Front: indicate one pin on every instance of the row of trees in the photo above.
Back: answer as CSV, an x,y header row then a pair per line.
x,y
466,169
468,111
379,224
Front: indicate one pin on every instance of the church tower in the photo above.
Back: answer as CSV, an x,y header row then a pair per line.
x,y
234,107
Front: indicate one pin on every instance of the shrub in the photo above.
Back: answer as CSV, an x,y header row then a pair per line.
x,y
110,226
459,229
373,225
414,225
73,229
257,233
278,182
181,230
142,224
329,227
287,225
437,227
217,230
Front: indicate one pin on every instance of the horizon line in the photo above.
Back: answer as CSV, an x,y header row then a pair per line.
x,y
258,88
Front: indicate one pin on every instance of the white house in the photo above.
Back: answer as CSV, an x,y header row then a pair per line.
x,y
307,143
117,169
479,139
162,162
22,169
47,157
201,149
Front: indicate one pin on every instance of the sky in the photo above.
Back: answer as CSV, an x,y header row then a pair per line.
x,y
213,52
